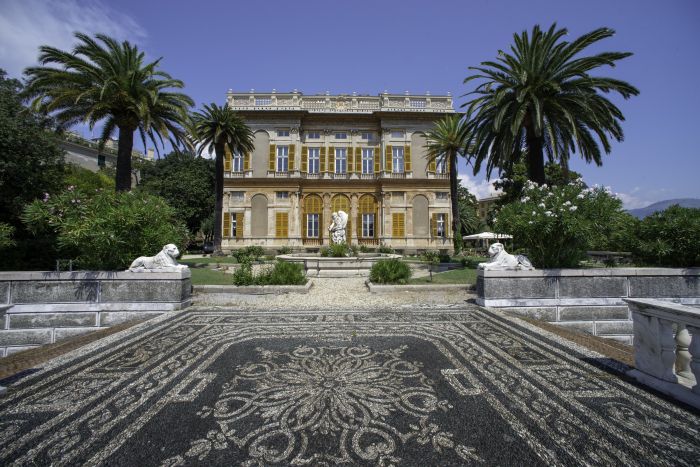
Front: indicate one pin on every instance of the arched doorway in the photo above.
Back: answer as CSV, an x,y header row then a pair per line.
x,y
367,219
312,219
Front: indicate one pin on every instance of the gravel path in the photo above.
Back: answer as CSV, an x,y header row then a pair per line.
x,y
351,293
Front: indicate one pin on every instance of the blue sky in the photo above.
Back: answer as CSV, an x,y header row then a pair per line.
x,y
419,46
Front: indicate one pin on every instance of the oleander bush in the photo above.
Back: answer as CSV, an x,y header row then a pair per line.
x,y
390,271
555,226
105,230
669,238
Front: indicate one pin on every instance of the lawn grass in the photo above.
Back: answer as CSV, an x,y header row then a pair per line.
x,y
205,276
455,276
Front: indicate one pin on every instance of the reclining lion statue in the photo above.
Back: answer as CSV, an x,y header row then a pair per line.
x,y
501,260
163,261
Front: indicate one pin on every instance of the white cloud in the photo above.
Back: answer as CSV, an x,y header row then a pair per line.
x,y
27,24
630,201
480,189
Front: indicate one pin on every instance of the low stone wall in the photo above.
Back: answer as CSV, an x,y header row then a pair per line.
x,y
589,300
319,266
236,295
39,308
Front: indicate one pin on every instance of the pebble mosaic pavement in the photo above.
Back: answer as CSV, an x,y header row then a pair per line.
x,y
453,386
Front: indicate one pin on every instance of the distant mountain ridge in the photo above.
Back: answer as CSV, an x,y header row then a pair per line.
x,y
641,213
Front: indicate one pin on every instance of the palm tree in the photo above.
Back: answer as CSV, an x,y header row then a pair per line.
x,y
216,128
541,98
106,81
449,139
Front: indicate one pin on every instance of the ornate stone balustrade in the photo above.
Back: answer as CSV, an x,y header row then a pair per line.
x,y
667,348
342,103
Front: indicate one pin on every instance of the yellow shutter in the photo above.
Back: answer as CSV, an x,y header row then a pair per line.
x,y
322,162
227,159
350,161
377,158
281,225
387,159
407,158
272,158
433,225
432,165
331,159
303,222
226,230
239,225
359,226
358,160
448,229
292,152
398,225
377,221
304,158
246,161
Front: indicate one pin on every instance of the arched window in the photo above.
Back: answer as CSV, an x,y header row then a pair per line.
x,y
312,217
342,203
368,214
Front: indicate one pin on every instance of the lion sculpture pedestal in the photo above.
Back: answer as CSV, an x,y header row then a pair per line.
x,y
501,260
164,261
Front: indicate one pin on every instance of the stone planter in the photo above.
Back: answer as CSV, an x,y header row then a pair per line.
x,y
589,300
318,266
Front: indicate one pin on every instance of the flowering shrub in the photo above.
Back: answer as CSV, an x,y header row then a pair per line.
x,y
103,229
556,225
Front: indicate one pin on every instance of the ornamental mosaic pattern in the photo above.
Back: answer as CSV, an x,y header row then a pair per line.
x,y
454,386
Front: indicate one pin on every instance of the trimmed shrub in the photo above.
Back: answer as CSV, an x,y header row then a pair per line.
x,y
284,273
364,248
285,250
385,249
253,252
390,271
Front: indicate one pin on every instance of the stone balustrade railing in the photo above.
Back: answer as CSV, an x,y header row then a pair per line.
x,y
667,347
340,103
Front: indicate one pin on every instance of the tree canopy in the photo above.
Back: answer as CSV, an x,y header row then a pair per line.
x,y
541,96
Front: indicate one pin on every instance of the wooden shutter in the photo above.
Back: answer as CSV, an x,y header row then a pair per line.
x,y
239,225
447,226
398,226
273,154
388,162
227,159
350,160
377,159
292,152
281,225
433,225
376,219
359,226
303,221
246,161
331,159
304,158
358,160
407,158
322,162
432,165
226,230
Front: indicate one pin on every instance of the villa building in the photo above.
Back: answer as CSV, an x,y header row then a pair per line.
x,y
315,155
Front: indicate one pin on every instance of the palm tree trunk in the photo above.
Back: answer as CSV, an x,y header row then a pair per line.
x,y
126,144
219,194
456,237
535,155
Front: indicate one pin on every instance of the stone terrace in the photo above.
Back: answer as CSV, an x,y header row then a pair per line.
x,y
422,385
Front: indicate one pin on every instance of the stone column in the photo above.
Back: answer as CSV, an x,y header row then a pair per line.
x,y
326,221
356,221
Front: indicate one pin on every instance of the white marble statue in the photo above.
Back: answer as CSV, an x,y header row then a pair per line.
x,y
337,227
162,262
501,260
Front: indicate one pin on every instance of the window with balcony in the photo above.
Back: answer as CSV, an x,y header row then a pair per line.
x,y
397,159
312,225
341,160
441,165
237,162
441,227
368,225
282,158
314,160
367,160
